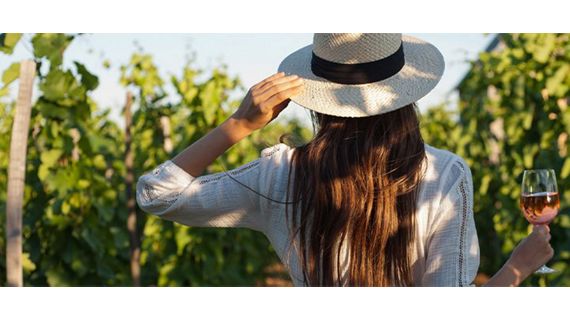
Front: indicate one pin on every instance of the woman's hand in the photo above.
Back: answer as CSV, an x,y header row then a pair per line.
x,y
265,100
263,103
533,252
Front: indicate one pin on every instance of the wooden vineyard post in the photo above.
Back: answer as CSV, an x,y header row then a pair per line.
x,y
165,126
135,249
17,175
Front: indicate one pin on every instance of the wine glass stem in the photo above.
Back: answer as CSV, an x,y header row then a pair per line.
x,y
544,269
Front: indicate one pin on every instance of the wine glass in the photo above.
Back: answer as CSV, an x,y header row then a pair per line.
x,y
539,200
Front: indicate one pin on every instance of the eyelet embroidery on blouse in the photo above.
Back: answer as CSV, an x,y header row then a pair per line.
x,y
148,193
149,196
237,171
170,201
232,172
462,227
272,152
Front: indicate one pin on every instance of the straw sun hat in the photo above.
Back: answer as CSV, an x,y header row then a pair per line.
x,y
363,74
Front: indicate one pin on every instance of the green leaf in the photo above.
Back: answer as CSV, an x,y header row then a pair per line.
x,y
75,200
43,172
27,264
104,271
8,42
62,181
527,119
62,87
543,51
56,277
182,239
52,110
89,80
557,83
210,101
65,208
99,162
50,157
92,240
79,265
83,184
11,74
485,184
110,194
51,46
565,171
120,237
4,91
529,154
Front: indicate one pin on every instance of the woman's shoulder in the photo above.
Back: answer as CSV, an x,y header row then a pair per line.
x,y
441,155
276,150
445,168
276,158
440,159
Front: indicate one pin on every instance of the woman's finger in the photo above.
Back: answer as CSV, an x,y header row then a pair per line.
x,y
266,86
276,89
540,229
550,252
282,96
268,79
281,106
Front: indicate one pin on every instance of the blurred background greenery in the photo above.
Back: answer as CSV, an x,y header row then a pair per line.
x,y
512,114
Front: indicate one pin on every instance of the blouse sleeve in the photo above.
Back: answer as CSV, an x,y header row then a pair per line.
x,y
226,199
452,245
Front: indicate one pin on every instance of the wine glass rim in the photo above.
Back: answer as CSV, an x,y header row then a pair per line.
x,y
533,170
527,194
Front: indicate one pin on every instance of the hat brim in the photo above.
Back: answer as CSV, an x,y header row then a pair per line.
x,y
422,71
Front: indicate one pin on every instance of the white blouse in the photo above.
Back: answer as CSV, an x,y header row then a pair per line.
x,y
446,250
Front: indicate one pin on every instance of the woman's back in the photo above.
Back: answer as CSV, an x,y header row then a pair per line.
x,y
445,248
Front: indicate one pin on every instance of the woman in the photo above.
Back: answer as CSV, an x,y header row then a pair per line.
x,y
366,202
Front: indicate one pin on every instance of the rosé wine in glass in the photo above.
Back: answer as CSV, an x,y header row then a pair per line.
x,y
540,208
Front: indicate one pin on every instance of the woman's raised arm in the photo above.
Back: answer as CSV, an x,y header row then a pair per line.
x,y
262,104
175,190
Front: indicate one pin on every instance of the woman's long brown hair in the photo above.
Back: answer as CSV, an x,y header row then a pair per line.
x,y
356,182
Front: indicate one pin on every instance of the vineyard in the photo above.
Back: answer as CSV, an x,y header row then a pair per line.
x,y
81,226
77,191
